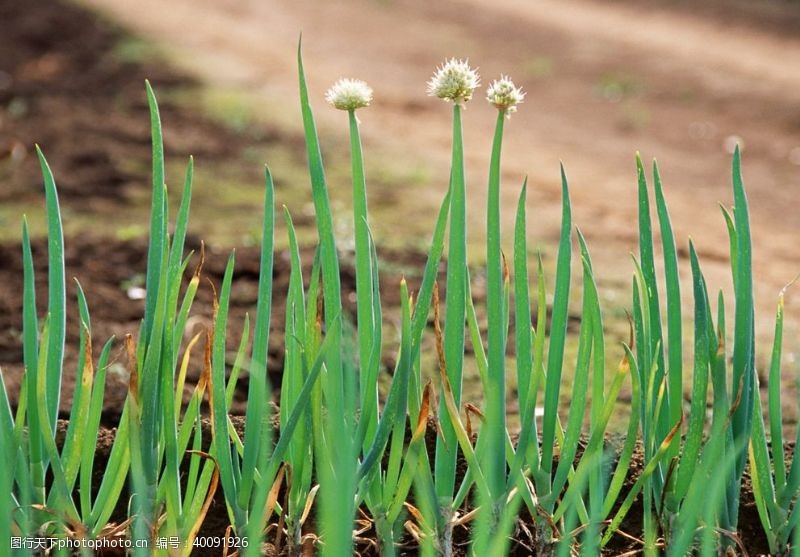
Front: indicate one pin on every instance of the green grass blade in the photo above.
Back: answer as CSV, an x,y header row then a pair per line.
x,y
396,451
177,265
792,525
141,499
9,449
650,291
522,302
649,469
674,319
721,412
81,396
257,420
171,477
116,474
30,324
638,318
92,427
774,400
763,486
394,412
300,454
475,337
463,439
528,444
744,332
328,256
182,318
593,449
598,406
194,465
304,396
156,364
733,242
721,404
793,477
377,316
580,386
158,217
523,334
495,395
56,293
703,498
7,429
337,492
30,347
182,222
768,493
416,463
60,497
368,423
558,330
222,443
621,472
697,413
423,305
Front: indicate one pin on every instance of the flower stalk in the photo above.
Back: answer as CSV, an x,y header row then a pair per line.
x,y
455,81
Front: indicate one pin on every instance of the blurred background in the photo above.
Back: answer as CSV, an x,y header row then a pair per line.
x,y
679,80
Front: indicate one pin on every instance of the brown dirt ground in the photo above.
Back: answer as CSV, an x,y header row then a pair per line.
x,y
63,86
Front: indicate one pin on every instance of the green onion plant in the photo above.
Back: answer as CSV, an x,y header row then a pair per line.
x,y
339,468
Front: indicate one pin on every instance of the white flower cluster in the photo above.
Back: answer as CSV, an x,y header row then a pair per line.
x,y
454,81
349,94
504,95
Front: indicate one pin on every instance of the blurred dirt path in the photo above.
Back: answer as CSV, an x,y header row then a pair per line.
x,y
740,58
603,80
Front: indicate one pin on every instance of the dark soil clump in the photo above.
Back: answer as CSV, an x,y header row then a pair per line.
x,y
65,85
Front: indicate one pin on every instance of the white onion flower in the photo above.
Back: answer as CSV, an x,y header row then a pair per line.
x,y
504,95
454,81
349,94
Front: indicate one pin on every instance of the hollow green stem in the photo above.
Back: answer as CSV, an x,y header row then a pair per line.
x,y
456,310
495,395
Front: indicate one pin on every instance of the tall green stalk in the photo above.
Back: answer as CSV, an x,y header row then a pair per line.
x,y
257,420
744,332
56,292
674,316
495,395
558,332
338,487
364,287
446,445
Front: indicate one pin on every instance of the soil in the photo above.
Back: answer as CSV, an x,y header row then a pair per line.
x,y
64,86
